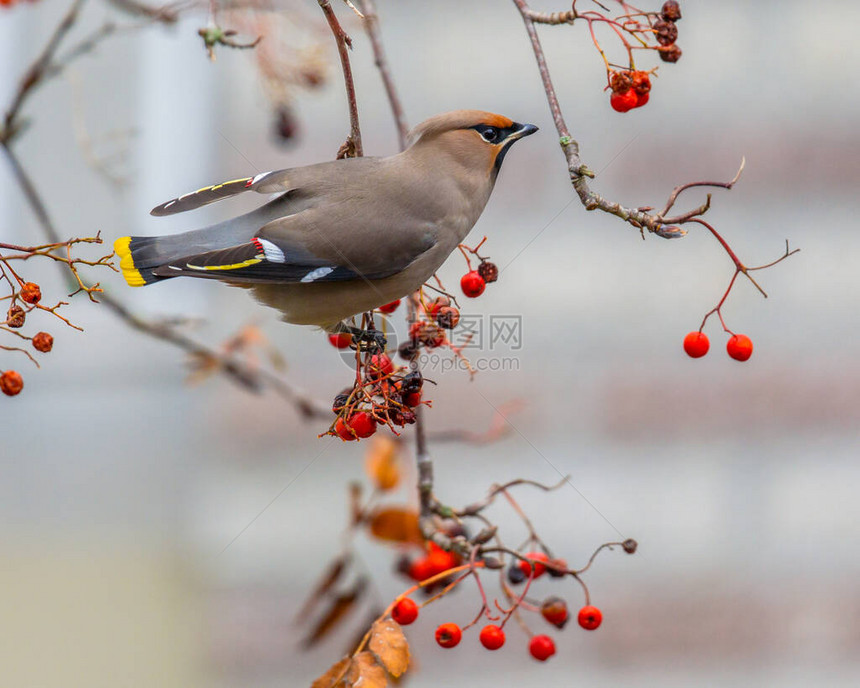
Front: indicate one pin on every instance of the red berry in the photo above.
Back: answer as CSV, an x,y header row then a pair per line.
x,y
448,635
541,647
389,307
536,558
554,610
11,383
31,293
439,560
405,612
622,102
343,431
340,340
492,637
590,617
412,399
740,347
472,284
379,366
696,344
641,83
363,424
642,99
421,569
433,307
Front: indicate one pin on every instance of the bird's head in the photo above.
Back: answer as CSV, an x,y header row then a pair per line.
x,y
473,137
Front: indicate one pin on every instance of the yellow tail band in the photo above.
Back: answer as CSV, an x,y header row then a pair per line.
x,y
126,262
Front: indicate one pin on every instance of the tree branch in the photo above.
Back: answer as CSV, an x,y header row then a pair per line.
x,y
352,146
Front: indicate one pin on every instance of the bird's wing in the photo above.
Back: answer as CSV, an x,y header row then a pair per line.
x,y
284,254
268,182
296,178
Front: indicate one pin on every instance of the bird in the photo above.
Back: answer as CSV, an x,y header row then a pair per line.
x,y
341,237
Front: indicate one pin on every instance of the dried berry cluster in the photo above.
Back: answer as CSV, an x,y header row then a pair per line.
x,y
666,31
29,295
382,394
387,394
630,88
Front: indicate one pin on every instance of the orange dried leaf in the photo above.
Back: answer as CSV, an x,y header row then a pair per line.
x,y
382,463
397,524
389,646
333,675
365,672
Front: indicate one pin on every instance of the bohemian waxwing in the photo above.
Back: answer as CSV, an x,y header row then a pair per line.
x,y
344,236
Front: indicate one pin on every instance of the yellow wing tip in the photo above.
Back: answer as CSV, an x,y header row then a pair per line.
x,y
132,275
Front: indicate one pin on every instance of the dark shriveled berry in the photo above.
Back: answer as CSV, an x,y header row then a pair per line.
x,y
671,11
339,402
489,271
412,382
408,350
620,82
666,32
448,317
42,341
630,545
641,83
516,574
670,53
15,317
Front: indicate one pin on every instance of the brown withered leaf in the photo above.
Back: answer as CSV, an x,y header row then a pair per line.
x,y
333,675
365,672
339,607
382,463
397,524
389,646
355,507
331,576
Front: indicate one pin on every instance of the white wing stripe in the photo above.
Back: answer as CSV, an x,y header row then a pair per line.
x,y
316,274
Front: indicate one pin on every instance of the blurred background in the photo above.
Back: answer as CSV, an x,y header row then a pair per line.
x,y
157,533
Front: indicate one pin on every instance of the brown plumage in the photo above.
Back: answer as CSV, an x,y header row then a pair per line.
x,y
344,236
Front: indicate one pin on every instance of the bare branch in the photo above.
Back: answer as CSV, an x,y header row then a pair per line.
x,y
352,146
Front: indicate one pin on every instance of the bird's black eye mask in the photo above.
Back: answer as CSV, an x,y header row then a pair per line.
x,y
497,135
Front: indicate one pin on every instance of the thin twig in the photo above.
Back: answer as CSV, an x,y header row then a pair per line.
x,y
352,147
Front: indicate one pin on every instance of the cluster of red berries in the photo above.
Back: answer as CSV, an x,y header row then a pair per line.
x,y
739,346
629,89
666,31
434,562
385,395
491,636
474,282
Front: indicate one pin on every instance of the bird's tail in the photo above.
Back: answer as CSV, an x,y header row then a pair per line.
x,y
136,259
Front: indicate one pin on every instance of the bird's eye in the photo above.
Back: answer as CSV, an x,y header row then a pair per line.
x,y
490,134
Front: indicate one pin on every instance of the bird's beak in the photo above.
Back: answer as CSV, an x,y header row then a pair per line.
x,y
521,131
